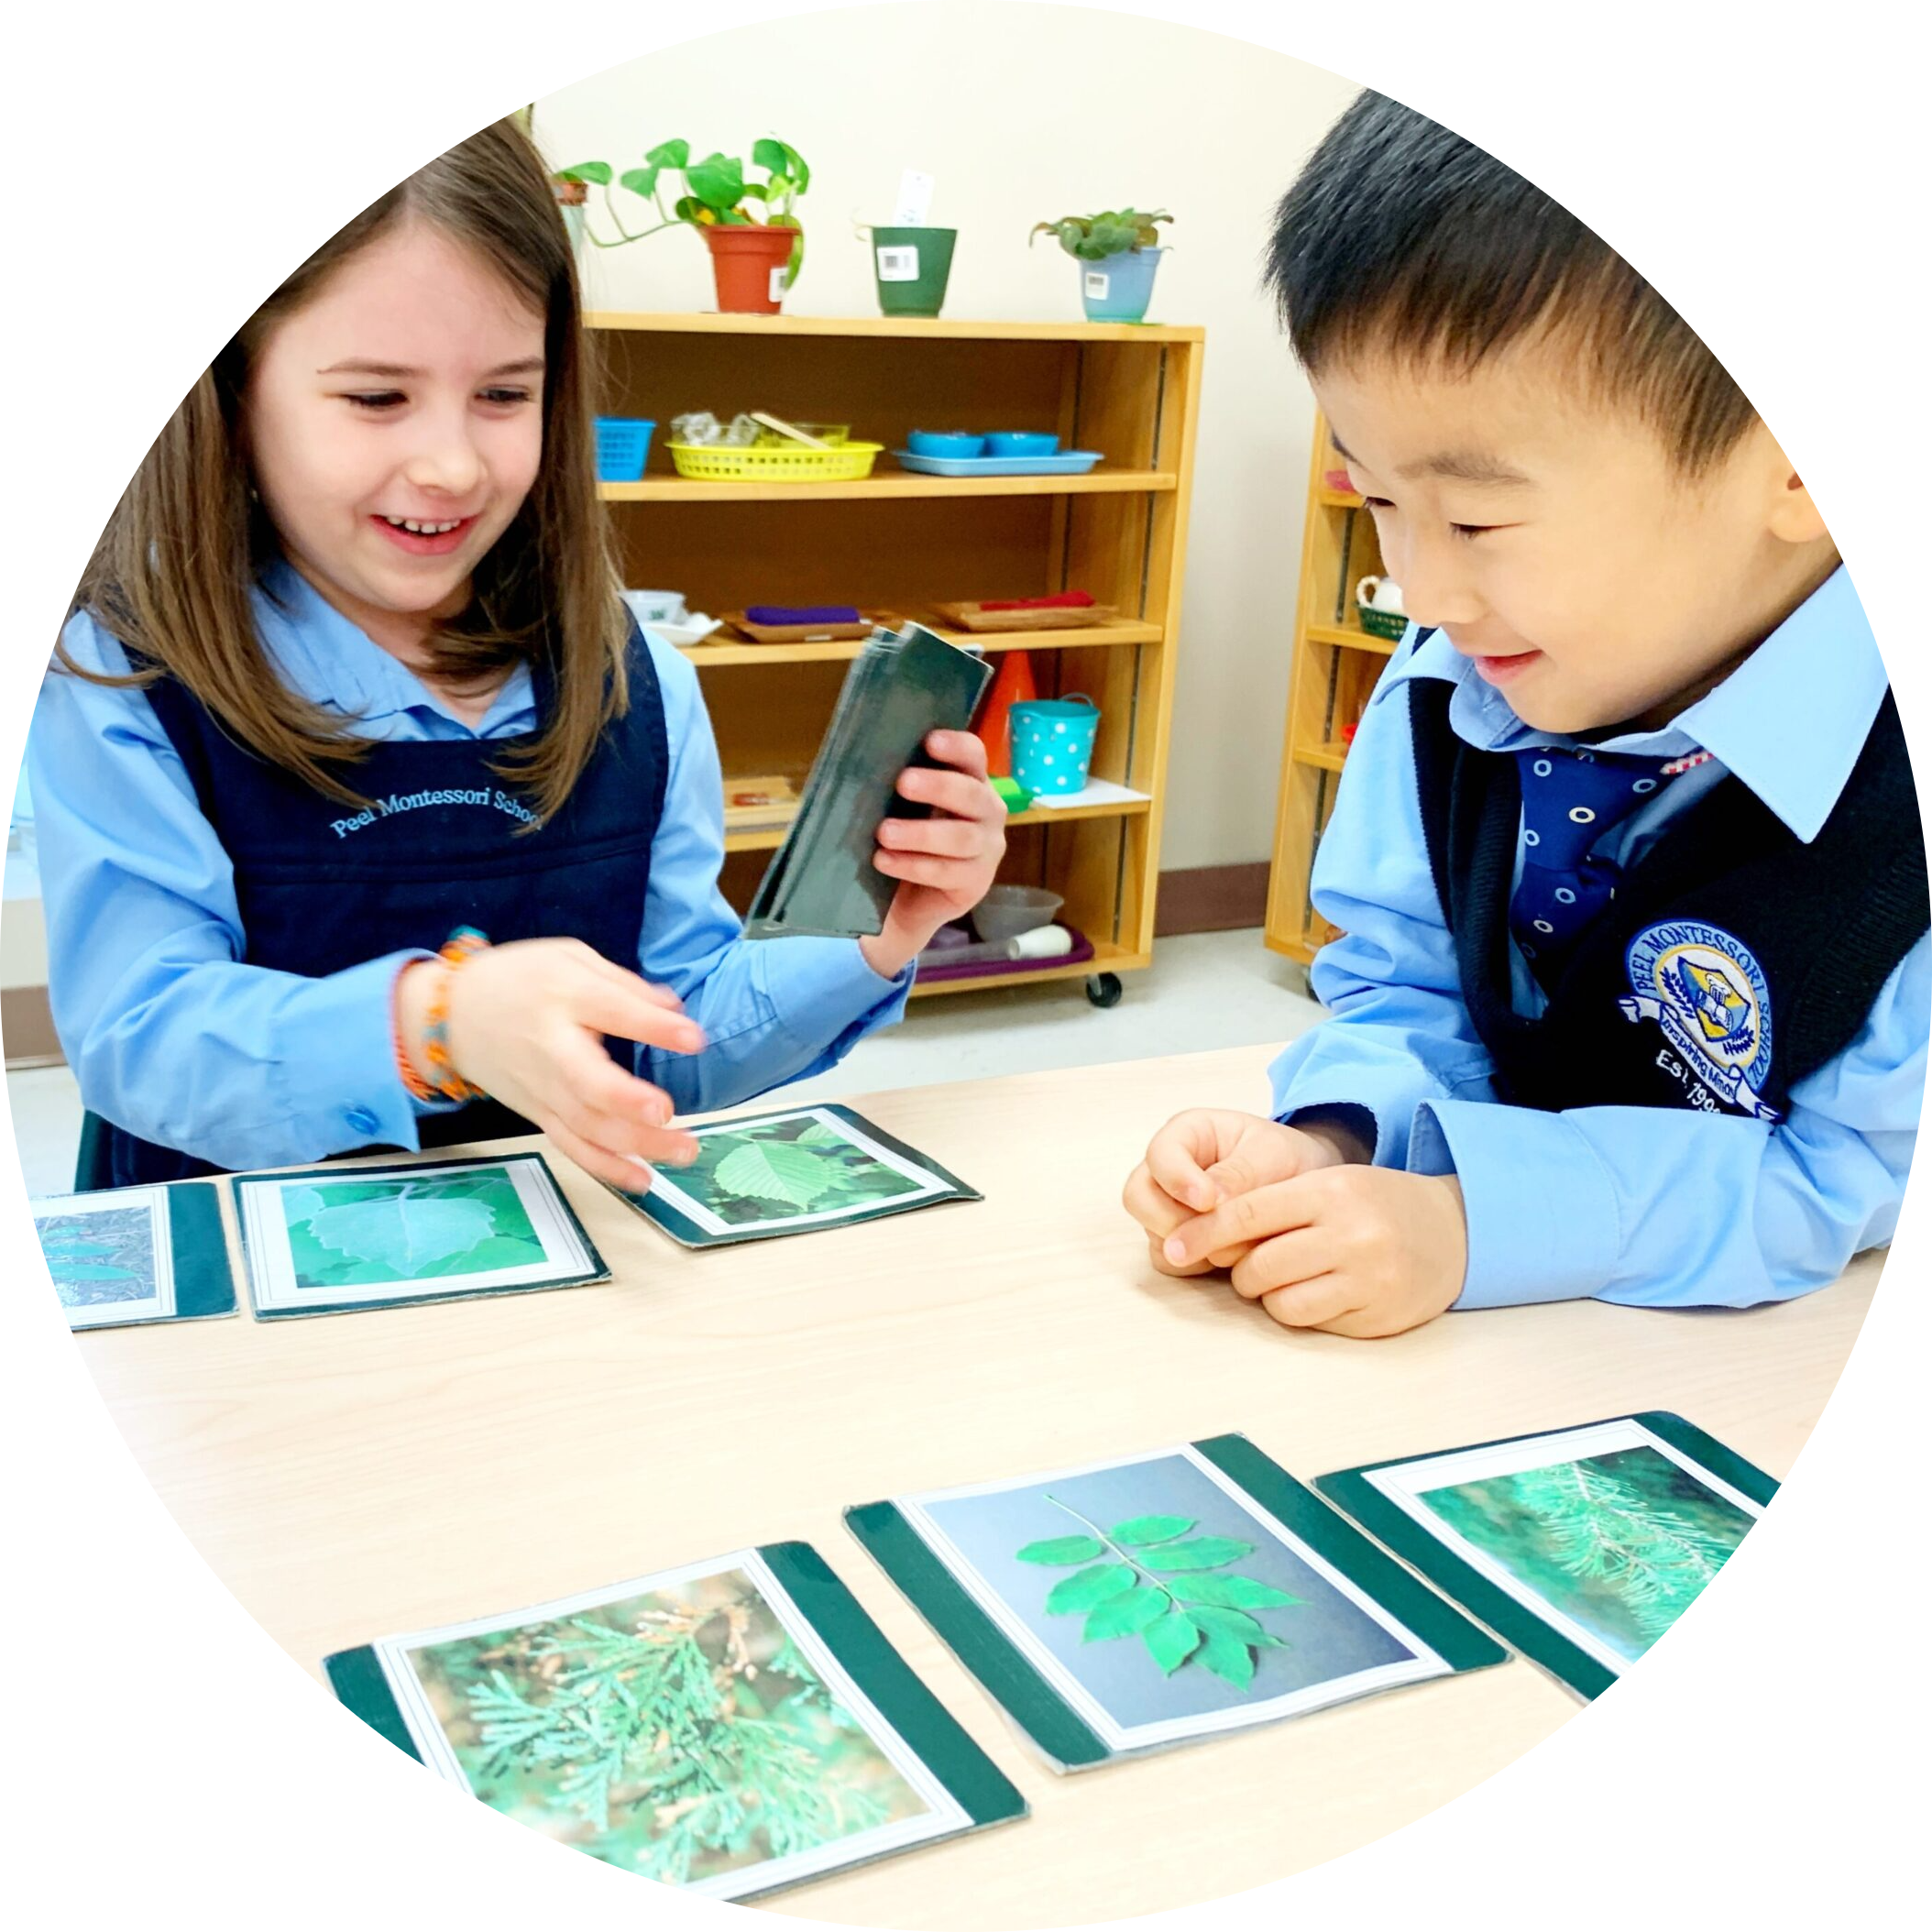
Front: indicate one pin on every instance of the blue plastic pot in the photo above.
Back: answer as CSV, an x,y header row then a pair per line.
x,y
1119,287
622,445
1053,743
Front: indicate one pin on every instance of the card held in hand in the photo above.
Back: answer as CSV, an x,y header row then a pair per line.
x,y
902,686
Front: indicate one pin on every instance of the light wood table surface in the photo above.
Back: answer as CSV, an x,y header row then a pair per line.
x,y
353,1475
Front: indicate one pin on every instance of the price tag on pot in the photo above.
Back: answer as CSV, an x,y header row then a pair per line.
x,y
898,264
781,282
1097,283
915,200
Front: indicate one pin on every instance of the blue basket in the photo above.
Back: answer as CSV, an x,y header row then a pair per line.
x,y
1053,743
622,445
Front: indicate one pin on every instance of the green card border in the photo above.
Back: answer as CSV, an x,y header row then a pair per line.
x,y
1522,1629
682,1229
198,1247
1039,1710
335,1171
867,1656
357,1678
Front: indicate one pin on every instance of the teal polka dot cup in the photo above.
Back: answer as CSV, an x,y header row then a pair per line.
x,y
1053,743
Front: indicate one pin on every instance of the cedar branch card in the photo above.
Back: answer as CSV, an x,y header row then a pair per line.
x,y
1580,1547
334,1238
1122,1606
785,1173
122,1256
729,1726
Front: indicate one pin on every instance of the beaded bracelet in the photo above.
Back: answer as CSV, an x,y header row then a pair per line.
x,y
463,944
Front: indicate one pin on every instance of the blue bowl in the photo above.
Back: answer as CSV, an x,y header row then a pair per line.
x,y
1022,443
955,443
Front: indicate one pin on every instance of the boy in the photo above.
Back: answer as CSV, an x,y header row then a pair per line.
x,y
1632,996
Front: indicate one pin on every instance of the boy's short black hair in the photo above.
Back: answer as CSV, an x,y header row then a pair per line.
x,y
1400,236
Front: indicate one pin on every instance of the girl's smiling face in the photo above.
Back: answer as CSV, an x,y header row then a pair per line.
x,y
1556,544
394,424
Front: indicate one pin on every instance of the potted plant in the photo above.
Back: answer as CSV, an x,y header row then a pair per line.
x,y
755,256
1119,252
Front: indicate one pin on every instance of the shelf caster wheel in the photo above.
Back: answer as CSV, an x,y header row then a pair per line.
x,y
1104,989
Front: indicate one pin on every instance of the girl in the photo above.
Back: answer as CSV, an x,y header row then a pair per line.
x,y
348,681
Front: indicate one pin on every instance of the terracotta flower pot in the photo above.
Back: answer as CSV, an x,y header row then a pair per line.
x,y
750,262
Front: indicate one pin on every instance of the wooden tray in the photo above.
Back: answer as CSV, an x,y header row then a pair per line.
x,y
970,617
807,633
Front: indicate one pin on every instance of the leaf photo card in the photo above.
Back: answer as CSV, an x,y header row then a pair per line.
x,y
789,1173
337,1238
1580,1547
1123,1605
124,1256
730,1727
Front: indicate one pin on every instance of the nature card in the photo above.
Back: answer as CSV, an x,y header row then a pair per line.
x,y
129,1254
729,1726
1122,1606
336,1238
784,1173
1581,1547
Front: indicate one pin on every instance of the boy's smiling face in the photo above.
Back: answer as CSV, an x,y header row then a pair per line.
x,y
1553,538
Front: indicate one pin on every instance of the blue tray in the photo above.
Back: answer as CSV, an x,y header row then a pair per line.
x,y
1067,463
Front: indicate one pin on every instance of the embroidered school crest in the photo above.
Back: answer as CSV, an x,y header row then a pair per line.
x,y
1710,995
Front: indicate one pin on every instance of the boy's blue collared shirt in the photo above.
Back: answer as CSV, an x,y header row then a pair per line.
x,y
1648,1205
172,1038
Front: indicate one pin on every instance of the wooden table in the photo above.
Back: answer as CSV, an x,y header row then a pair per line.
x,y
357,1475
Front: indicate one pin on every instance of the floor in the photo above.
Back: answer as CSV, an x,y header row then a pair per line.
x,y
1206,990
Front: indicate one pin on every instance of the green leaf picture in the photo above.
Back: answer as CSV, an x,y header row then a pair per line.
x,y
777,1169
680,1733
1147,1576
347,1232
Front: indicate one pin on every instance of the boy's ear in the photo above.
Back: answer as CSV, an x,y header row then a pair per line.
x,y
1792,516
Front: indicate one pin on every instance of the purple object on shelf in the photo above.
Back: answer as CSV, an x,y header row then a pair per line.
x,y
802,614
933,965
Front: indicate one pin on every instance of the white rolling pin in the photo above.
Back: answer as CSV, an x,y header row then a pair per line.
x,y
1044,943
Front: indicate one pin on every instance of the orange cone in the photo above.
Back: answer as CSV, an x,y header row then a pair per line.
x,y
1012,685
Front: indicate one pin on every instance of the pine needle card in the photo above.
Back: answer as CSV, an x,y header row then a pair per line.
x,y
334,1238
730,1727
1124,1605
1579,1547
771,1174
130,1254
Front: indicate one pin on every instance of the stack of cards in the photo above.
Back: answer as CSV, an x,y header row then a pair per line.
x,y
768,1174
902,686
729,1726
129,1255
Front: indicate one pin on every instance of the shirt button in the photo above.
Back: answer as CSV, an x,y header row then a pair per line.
x,y
362,1119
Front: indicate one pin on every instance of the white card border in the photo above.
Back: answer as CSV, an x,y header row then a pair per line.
x,y
944,1814
1424,1664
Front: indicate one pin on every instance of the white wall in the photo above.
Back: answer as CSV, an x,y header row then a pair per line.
x,y
1023,114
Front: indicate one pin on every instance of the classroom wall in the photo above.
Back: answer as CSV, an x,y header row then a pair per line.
x,y
1023,114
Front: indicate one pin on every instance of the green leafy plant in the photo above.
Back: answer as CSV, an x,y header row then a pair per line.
x,y
1150,1577
1599,1527
787,1167
676,1738
1093,237
717,192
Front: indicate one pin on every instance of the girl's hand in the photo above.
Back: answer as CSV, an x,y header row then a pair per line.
x,y
526,1023
943,863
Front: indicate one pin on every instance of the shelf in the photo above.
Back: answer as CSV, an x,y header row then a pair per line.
x,y
704,655
910,328
893,487
769,839
1350,637
1107,958
1328,756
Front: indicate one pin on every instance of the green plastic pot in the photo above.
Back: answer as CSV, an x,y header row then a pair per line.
x,y
911,267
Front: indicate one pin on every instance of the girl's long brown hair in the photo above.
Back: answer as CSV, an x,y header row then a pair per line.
x,y
171,575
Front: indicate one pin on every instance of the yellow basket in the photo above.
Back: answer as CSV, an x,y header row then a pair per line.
x,y
792,463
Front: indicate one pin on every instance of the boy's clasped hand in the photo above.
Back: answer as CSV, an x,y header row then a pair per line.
x,y
1298,1221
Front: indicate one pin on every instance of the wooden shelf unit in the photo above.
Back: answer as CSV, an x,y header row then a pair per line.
x,y
900,543
1333,669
